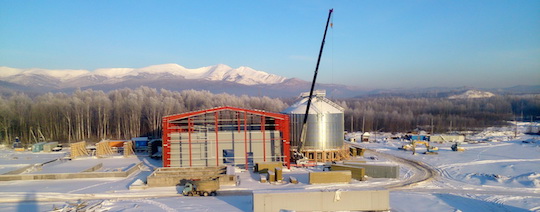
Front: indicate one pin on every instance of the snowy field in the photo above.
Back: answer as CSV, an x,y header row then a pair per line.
x,y
488,176
496,172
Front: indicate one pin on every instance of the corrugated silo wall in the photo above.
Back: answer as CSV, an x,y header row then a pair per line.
x,y
325,130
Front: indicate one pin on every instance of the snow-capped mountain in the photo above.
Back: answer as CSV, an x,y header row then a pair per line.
x,y
216,79
77,78
472,94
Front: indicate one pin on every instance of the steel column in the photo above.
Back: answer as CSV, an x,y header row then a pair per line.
x,y
166,154
284,127
189,140
238,120
245,139
263,123
216,129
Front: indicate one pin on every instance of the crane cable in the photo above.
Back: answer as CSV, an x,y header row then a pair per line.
x,y
332,56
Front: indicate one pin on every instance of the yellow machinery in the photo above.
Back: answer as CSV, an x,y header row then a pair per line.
x,y
456,148
431,150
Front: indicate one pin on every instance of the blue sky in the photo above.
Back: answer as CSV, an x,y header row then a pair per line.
x,y
373,44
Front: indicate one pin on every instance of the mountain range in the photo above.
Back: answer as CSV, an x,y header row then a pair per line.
x,y
216,79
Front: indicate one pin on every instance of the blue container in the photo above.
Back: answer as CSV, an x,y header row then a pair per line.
x,y
419,137
140,141
228,156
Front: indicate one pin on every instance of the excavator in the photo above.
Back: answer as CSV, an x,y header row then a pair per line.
x,y
431,150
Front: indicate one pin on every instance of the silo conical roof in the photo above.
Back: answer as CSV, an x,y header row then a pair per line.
x,y
319,104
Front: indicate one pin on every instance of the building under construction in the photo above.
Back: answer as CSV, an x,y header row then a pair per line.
x,y
225,136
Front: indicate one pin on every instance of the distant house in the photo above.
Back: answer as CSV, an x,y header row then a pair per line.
x,y
365,137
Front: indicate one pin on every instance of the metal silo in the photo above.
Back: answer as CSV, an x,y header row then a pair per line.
x,y
325,125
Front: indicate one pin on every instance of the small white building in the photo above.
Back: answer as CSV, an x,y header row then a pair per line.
x,y
365,136
440,138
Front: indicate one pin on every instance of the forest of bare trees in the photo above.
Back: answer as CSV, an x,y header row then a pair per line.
x,y
120,114
125,113
396,114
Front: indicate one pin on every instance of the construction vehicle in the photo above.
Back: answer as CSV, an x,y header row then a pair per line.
x,y
406,147
201,188
57,148
431,150
456,147
297,151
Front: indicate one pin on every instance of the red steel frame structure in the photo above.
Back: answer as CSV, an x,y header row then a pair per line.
x,y
281,124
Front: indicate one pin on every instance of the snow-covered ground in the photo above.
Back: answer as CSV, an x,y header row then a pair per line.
x,y
488,176
496,172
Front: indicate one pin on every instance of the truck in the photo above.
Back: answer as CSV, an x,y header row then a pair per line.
x,y
201,188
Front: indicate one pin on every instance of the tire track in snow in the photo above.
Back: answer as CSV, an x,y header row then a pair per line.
x,y
420,171
105,183
92,186
152,202
425,173
488,146
481,162
486,149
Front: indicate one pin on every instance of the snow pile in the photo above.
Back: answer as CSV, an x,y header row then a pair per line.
x,y
485,177
531,179
138,182
505,133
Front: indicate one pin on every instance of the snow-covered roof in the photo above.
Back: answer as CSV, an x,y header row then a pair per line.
x,y
319,104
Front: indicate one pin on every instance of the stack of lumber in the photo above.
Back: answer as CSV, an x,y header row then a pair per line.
x,y
78,149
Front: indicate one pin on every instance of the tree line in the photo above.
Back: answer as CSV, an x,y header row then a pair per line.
x,y
437,115
93,115
119,114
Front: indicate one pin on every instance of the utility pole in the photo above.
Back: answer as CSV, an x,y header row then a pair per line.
x,y
515,132
431,125
363,124
531,125
352,124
